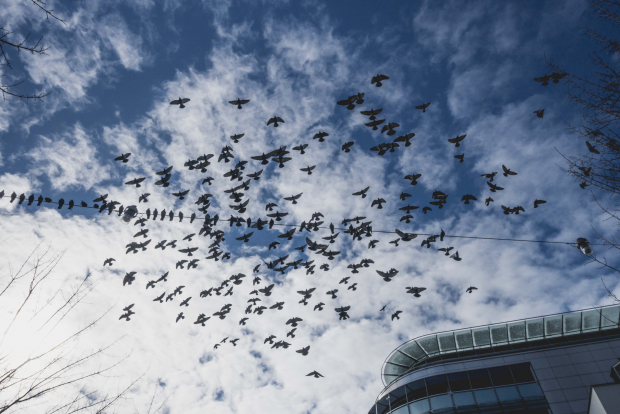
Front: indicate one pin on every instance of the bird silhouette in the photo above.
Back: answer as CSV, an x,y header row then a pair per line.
x,y
180,316
109,261
346,147
372,113
378,202
378,79
423,106
395,314
238,102
471,289
538,202
180,102
540,113
507,171
123,157
415,291
274,120
314,374
320,136
460,157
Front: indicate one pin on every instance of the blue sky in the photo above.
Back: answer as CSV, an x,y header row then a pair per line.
x,y
113,69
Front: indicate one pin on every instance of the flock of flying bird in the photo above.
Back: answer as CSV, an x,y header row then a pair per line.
x,y
357,227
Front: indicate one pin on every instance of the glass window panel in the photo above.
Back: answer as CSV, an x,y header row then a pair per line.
x,y
440,403
383,406
530,390
437,385
391,369
609,317
481,337
516,331
590,320
534,328
458,381
397,397
553,325
501,376
507,393
447,342
416,390
419,407
401,410
463,399
401,359
389,378
572,323
485,396
413,350
464,402
479,378
522,372
499,334
464,339
429,344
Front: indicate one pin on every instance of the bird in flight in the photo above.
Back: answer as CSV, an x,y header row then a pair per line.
x,y
372,113
236,137
395,314
467,198
413,178
540,113
314,374
375,124
303,351
460,157
180,102
180,316
405,138
123,158
415,291
490,176
109,261
320,136
136,182
387,276
592,149
274,120
538,202
471,289
378,202
293,198
308,169
390,128
378,79
238,102
493,187
346,147
423,106
507,171
457,140
362,192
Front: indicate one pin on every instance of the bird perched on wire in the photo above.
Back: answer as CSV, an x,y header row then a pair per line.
x,y
423,106
238,102
123,157
274,120
180,102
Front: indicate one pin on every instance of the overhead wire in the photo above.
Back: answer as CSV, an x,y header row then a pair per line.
x,y
327,227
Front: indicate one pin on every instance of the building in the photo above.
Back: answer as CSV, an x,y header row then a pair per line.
x,y
562,363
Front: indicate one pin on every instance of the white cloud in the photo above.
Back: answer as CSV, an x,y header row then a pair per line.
x,y
68,161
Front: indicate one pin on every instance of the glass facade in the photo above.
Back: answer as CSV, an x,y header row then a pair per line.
x,y
503,389
500,337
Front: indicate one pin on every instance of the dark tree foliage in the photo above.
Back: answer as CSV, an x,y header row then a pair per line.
x,y
598,98
9,44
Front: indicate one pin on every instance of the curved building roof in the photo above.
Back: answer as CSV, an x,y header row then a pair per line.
x,y
417,351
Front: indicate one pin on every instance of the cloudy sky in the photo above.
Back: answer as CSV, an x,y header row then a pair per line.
x,y
111,72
